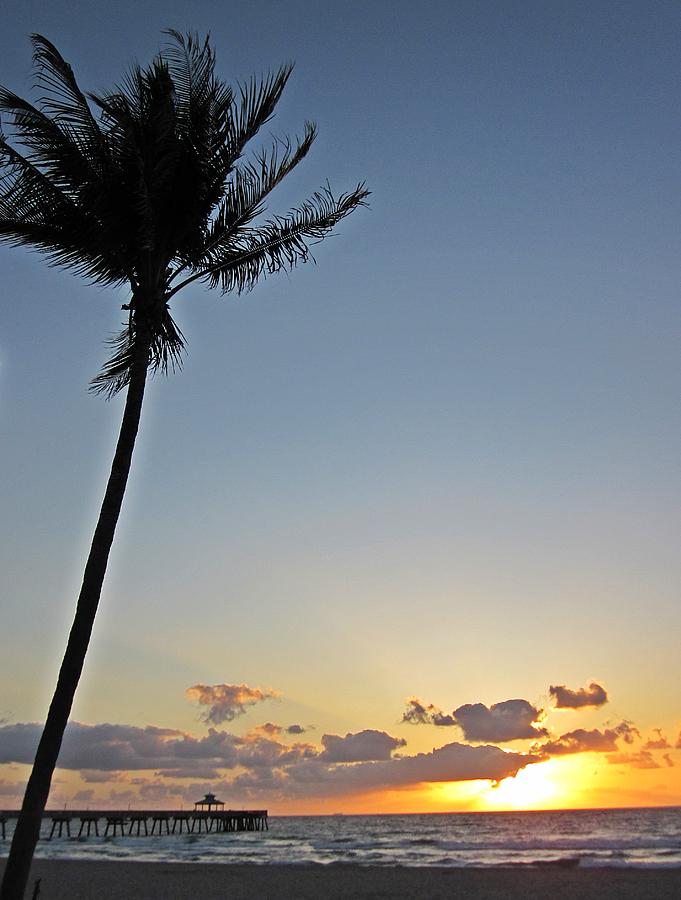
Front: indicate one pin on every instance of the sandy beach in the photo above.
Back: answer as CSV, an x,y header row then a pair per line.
x,y
71,880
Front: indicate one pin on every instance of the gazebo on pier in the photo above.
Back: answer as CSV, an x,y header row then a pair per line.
x,y
209,804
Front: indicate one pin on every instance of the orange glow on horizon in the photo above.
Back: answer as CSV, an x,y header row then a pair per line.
x,y
539,786
583,781
535,787
580,781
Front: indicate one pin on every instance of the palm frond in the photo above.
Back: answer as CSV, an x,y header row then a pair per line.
x,y
202,104
247,191
36,213
191,64
51,147
257,101
26,193
166,350
59,250
64,102
280,243
140,120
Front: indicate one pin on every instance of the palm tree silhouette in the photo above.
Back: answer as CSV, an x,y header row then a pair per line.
x,y
144,186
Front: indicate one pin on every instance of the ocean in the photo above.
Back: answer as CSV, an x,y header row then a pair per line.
x,y
621,837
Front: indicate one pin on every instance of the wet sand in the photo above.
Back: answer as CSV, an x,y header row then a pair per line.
x,y
80,880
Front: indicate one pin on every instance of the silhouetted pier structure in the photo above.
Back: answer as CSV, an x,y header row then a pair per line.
x,y
89,820
60,819
114,823
208,804
208,816
138,820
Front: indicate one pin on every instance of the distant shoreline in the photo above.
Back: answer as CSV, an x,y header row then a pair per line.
x,y
89,880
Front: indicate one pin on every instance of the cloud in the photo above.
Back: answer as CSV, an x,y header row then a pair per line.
x,y
11,788
668,759
453,762
185,767
642,760
314,777
511,720
269,728
226,701
627,731
361,747
120,798
155,791
297,729
580,741
583,741
417,713
190,772
658,743
95,776
258,751
566,698
111,748
442,720
101,752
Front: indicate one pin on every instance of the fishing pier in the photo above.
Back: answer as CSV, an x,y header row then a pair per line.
x,y
208,816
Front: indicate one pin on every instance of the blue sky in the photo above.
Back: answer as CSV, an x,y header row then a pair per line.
x,y
443,461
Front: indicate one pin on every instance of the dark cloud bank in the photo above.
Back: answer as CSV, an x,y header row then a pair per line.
x,y
345,764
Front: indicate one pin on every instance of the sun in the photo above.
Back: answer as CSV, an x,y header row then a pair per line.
x,y
534,787
538,786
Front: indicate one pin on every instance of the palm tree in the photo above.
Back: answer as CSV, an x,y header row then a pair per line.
x,y
144,186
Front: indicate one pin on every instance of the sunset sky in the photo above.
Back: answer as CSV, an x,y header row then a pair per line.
x,y
407,524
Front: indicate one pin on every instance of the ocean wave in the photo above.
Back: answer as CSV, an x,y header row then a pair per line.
x,y
594,843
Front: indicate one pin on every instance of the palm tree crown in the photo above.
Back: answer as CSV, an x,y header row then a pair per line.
x,y
153,189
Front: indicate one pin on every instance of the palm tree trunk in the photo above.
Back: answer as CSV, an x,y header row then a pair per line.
x,y
27,830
